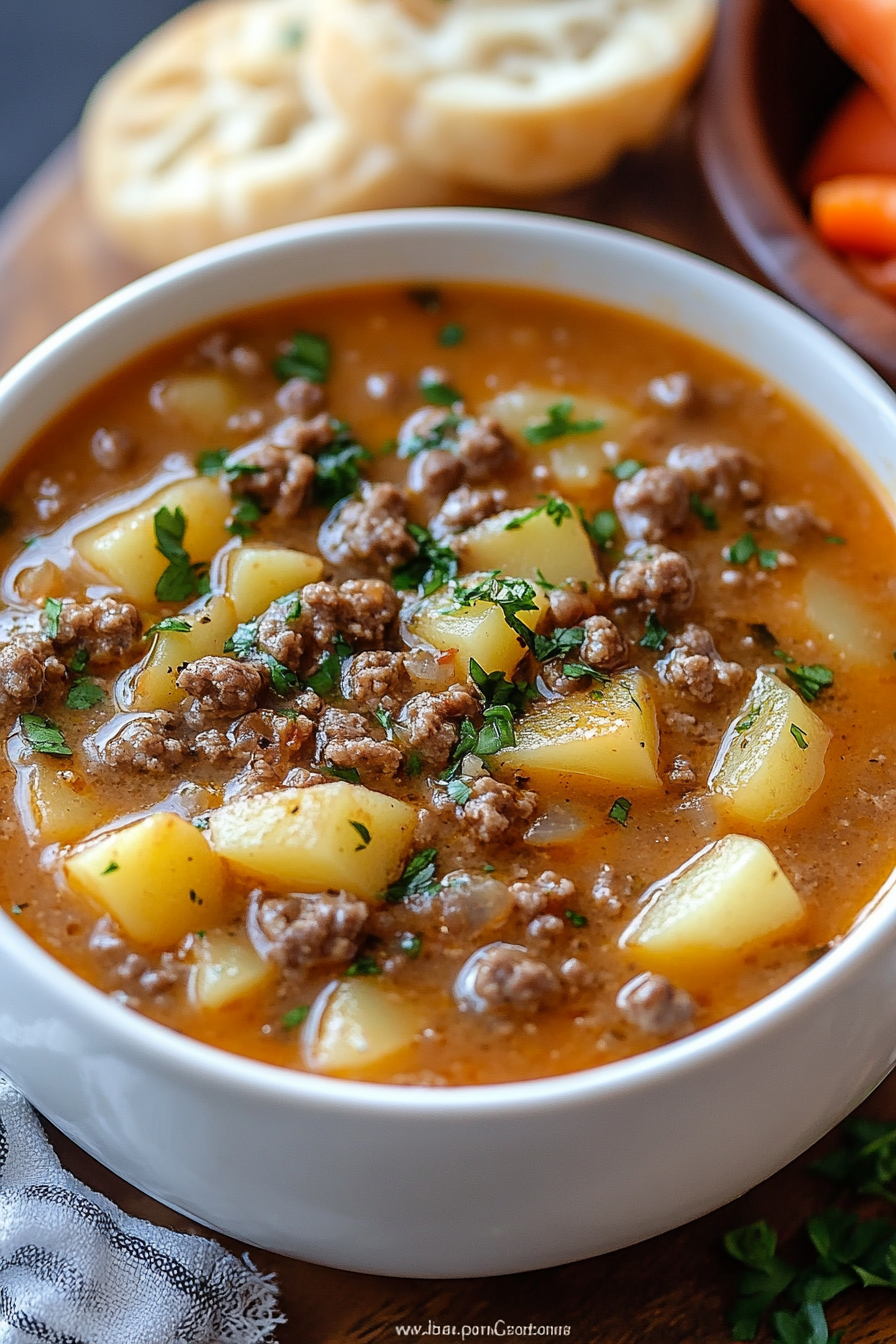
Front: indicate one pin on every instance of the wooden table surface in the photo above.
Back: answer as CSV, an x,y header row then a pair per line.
x,y
671,1290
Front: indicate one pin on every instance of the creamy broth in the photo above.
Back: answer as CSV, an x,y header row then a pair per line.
x,y
804,584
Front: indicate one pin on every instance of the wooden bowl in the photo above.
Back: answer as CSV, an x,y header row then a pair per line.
x,y
771,84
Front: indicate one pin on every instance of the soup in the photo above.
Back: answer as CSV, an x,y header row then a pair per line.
x,y
442,686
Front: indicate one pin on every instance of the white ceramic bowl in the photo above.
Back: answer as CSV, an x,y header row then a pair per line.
x,y
462,1181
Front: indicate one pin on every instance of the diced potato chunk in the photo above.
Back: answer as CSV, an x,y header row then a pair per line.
x,y
849,627
771,759
227,969
579,468
478,631
304,839
258,575
614,738
725,901
525,407
158,878
545,546
57,805
124,546
203,402
152,684
355,1025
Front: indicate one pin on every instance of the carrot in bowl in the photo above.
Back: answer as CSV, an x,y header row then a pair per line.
x,y
857,214
859,138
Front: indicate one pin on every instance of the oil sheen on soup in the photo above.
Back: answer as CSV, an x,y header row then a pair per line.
x,y
441,686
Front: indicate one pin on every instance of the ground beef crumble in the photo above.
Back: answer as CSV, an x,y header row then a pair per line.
x,y
375,679
494,809
503,975
106,628
652,503
302,930
222,687
654,1005
429,722
694,666
369,531
653,577
28,667
345,741
465,507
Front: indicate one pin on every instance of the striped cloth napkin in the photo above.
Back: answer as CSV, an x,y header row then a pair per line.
x,y
74,1269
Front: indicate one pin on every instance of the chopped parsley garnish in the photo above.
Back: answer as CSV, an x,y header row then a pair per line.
x,y
626,469
556,509
79,660
307,357
620,810
437,393
182,579
386,722
452,335
418,878
558,644
497,731
347,773
414,764
577,920
495,689
849,1251
459,791
602,528
326,679
243,518
364,965
52,612
799,737
810,679
84,694
748,720
488,867
576,670
174,623
708,517
835,541
655,634
337,468
432,567
745,548
243,644
439,435
558,424
214,461
112,868
543,583
411,945
295,1017
44,735
363,832
426,297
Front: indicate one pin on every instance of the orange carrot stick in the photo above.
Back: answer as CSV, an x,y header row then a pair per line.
x,y
864,33
857,214
859,138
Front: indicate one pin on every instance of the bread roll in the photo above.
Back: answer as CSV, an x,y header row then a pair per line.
x,y
517,97
211,129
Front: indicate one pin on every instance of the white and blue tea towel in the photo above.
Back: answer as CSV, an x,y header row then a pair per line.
x,y
74,1269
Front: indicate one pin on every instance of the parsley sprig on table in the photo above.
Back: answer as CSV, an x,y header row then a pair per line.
x,y
849,1251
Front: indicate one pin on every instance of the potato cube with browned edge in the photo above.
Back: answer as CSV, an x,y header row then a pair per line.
x,y
355,1025
771,759
326,837
258,575
609,733
730,898
158,878
123,547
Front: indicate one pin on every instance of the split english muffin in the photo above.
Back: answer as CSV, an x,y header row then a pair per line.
x,y
212,128
516,97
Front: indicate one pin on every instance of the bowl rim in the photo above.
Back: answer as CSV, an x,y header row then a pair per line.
x,y
759,207
165,1047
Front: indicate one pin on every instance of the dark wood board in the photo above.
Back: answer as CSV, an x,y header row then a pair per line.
x,y
671,1290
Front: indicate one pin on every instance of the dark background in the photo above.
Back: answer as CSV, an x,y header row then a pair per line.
x,y
52,52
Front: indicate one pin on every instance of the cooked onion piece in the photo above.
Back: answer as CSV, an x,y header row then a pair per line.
x,y
211,129
516,97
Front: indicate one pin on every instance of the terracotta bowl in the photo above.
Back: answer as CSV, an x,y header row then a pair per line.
x,y
771,84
